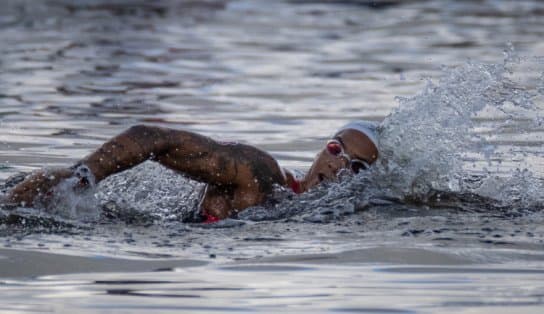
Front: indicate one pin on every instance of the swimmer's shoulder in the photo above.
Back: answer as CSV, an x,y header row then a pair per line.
x,y
252,163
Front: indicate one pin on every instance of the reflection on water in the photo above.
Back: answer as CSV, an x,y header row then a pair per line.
x,y
294,287
281,75
76,73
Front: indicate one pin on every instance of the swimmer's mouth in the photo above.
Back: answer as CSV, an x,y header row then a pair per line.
x,y
321,177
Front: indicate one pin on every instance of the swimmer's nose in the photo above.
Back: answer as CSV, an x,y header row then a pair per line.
x,y
324,168
333,165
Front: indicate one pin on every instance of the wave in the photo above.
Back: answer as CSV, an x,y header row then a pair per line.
x,y
456,144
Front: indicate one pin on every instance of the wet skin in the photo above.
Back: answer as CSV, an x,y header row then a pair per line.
x,y
237,175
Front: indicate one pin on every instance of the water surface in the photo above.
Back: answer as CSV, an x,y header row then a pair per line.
x,y
449,220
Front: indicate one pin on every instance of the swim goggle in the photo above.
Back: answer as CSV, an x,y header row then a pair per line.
x,y
335,148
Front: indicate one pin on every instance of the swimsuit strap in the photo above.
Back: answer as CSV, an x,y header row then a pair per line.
x,y
295,186
295,182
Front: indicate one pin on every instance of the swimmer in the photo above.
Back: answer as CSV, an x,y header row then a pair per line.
x,y
238,176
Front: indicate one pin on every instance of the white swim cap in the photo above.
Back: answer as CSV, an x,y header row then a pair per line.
x,y
368,128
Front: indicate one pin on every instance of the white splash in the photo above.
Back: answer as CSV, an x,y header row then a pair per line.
x,y
429,142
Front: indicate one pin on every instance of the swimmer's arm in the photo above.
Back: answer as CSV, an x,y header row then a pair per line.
x,y
36,184
196,156
237,175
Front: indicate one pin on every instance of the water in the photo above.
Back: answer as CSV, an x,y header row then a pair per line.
x,y
449,220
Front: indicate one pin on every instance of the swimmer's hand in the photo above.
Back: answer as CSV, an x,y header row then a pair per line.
x,y
39,185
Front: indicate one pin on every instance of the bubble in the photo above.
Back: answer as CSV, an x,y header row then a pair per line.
x,y
150,192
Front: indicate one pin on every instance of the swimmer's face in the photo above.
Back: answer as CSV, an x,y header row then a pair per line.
x,y
348,149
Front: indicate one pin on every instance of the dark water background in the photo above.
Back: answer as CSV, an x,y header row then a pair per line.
x,y
281,75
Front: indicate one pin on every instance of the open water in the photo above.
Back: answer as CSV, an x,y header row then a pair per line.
x,y
450,219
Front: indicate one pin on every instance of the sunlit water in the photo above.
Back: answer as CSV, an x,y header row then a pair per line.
x,y
450,218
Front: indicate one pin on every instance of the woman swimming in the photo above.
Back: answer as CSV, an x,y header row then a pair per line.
x,y
237,175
